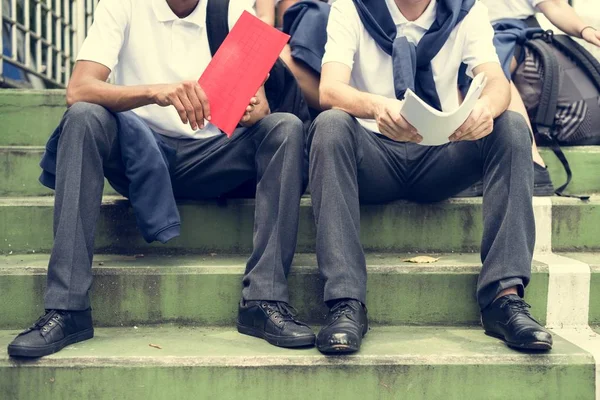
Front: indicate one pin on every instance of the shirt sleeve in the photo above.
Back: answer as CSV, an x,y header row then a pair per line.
x,y
478,33
107,33
343,32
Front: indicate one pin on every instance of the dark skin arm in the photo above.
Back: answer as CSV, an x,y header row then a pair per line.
x,y
88,84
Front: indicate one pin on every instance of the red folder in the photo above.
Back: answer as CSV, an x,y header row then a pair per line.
x,y
239,68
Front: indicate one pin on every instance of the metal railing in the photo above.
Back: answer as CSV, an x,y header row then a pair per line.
x,y
40,40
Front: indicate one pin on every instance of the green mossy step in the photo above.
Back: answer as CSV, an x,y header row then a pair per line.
x,y
593,260
206,363
21,170
20,173
205,290
450,226
28,117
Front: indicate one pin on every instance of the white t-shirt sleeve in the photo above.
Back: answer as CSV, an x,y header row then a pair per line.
x,y
478,47
107,34
343,30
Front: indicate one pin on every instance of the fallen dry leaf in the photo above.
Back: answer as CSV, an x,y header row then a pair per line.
x,y
155,346
421,260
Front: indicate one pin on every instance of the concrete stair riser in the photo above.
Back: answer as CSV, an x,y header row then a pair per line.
x,y
394,363
205,291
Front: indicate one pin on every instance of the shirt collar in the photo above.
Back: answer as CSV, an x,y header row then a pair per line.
x,y
164,13
424,21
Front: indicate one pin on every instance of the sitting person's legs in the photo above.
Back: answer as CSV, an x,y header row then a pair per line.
x,y
271,153
348,165
504,156
88,149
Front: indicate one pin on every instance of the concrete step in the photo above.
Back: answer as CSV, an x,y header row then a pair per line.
x,y
394,363
28,117
593,260
585,164
21,170
450,226
205,290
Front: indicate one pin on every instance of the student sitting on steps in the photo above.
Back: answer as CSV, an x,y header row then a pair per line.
x,y
363,151
156,50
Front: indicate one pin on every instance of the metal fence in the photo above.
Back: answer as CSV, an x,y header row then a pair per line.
x,y
40,39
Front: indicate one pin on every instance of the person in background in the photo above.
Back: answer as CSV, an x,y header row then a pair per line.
x,y
563,16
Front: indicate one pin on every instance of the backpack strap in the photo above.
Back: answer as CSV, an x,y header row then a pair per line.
x,y
588,63
217,23
544,118
563,159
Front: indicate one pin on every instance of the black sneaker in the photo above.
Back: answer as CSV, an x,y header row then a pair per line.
x,y
542,184
274,321
52,332
345,326
508,319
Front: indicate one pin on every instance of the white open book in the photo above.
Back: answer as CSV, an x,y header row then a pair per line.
x,y
436,126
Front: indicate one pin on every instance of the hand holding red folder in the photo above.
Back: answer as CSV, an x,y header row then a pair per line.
x,y
239,68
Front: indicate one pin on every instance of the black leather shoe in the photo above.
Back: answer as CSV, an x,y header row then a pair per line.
x,y
274,321
508,319
345,326
52,332
542,184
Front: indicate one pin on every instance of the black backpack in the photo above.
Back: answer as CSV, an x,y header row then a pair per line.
x,y
281,89
559,82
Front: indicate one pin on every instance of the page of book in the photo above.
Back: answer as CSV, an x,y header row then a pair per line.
x,y
436,126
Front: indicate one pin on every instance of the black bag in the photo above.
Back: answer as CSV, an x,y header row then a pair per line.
x,y
281,89
559,82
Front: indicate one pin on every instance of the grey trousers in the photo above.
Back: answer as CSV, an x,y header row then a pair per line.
x,y
268,158
350,165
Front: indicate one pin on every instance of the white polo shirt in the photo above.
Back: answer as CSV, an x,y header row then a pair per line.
x,y
349,43
519,9
143,42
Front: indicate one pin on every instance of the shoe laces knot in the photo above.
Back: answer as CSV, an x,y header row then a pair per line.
x,y
518,306
281,311
45,322
343,308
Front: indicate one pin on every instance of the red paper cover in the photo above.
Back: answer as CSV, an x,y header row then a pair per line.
x,y
239,68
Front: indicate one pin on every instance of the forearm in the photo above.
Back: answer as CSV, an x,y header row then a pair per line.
x,y
497,95
343,97
113,97
561,14
265,10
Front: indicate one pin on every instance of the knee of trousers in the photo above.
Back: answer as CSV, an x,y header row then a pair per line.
x,y
283,129
331,131
83,119
511,133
